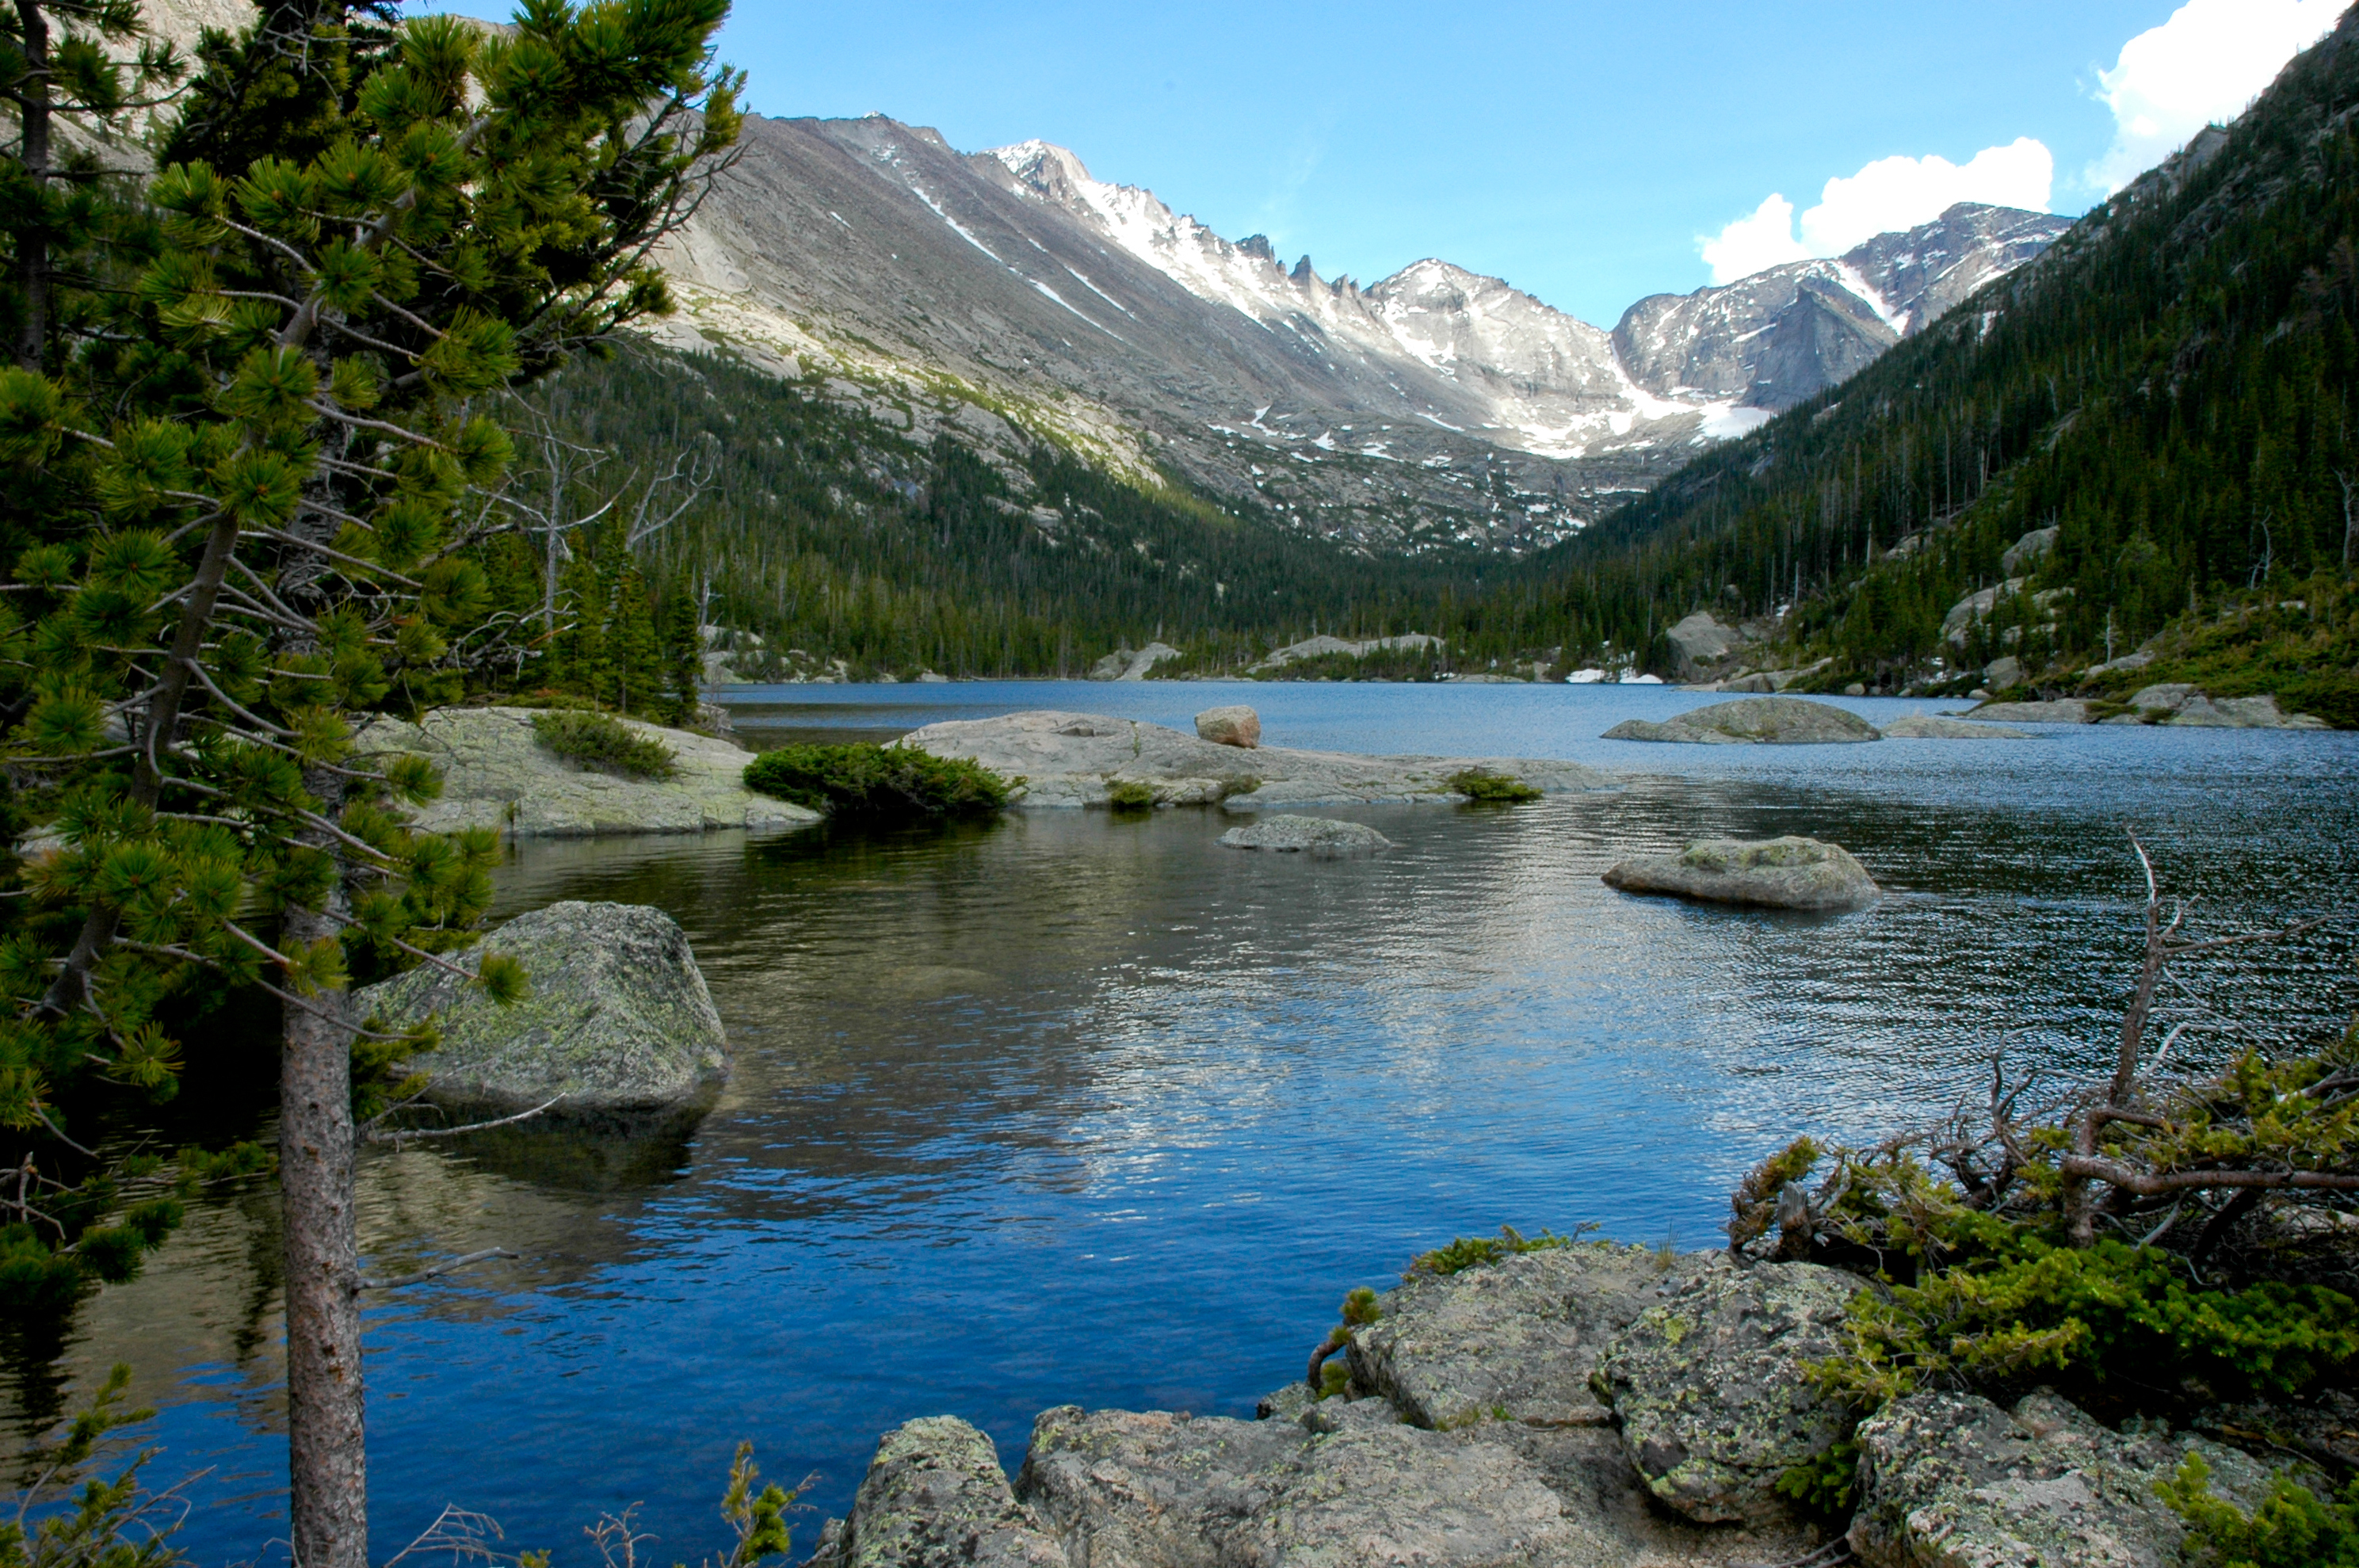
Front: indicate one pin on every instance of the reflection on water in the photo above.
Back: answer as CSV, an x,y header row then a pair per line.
x,y
1071,1107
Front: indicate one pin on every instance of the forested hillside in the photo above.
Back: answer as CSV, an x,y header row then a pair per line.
x,y
2171,388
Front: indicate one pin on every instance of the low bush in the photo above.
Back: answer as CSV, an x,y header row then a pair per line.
x,y
2292,1528
1471,1251
1476,784
1130,795
877,783
604,744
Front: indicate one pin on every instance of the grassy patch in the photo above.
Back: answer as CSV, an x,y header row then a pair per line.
x,y
1473,1251
1477,785
604,743
1130,795
877,783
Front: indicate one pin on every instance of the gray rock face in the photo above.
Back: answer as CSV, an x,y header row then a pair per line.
x,y
1788,873
1752,721
617,1018
1976,606
1132,664
1939,726
1710,1389
2189,707
1953,1481
1699,640
1071,759
1236,725
935,1496
496,775
1322,836
2001,673
1515,1340
2062,711
2028,550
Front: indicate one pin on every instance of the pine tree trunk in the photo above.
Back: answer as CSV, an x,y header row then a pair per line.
x,y
327,1456
33,239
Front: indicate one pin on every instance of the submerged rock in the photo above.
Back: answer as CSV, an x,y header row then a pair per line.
x,y
1939,726
498,774
1712,1388
1513,1340
1787,873
935,1496
1235,726
617,1016
1308,835
2062,711
1752,721
1952,1481
1073,760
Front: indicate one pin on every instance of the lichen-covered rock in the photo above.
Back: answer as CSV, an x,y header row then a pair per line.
x,y
1713,1390
1513,1340
935,1496
1752,721
2185,706
1952,1481
498,774
1307,835
1939,726
2062,711
1074,759
1236,725
1155,1490
1787,873
617,1015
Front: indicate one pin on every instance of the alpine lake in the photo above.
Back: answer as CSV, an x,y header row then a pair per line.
x,y
1082,1107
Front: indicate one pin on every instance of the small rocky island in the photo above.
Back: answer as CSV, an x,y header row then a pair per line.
x,y
1787,873
1580,1405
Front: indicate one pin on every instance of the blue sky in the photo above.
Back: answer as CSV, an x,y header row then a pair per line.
x,y
1585,152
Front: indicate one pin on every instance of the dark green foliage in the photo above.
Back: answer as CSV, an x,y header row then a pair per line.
x,y
1473,1251
2292,1528
604,744
1829,1483
1130,795
2305,649
877,783
74,1515
1498,787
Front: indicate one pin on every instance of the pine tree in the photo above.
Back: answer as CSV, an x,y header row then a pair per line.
x,y
250,532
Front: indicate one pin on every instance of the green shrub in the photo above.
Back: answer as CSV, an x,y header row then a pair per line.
x,y
2291,1529
1478,784
1130,795
885,783
1473,1251
2334,698
605,744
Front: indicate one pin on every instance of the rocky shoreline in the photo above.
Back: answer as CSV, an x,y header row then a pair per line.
x,y
1570,1405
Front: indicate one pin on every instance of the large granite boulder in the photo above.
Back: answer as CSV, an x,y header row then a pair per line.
x,y
1511,1340
1321,837
1788,873
1132,664
1752,721
498,774
1236,725
935,1496
1712,1388
2184,706
1952,1481
617,1016
1074,759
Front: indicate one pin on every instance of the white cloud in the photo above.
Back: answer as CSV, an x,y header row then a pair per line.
x,y
2205,63
1889,194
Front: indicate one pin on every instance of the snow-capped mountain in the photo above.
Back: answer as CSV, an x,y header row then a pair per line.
x,y
1010,291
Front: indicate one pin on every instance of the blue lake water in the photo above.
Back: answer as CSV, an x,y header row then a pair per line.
x,y
1073,1109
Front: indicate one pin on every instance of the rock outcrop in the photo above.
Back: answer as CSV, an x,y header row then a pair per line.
x,y
1132,664
2181,705
1236,725
1952,1481
1320,836
2062,711
935,1496
1752,721
1939,726
1788,873
1712,1387
496,775
617,1016
1073,760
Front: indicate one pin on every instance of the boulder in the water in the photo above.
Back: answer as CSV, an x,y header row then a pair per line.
x,y
1307,835
1752,721
617,1015
1714,1390
1789,873
1234,725
1952,1478
1941,726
